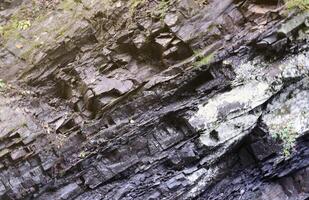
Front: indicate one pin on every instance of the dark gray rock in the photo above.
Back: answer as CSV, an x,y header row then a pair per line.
x,y
103,101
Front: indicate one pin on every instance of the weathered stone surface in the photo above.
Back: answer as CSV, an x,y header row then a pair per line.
x,y
104,100
293,23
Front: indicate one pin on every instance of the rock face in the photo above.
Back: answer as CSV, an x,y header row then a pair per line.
x,y
153,100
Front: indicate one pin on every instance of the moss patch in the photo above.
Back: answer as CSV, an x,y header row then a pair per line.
x,y
135,3
68,4
20,20
301,4
204,60
161,9
11,29
2,85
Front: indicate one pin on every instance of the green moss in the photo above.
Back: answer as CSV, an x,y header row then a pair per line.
x,y
161,9
12,28
23,24
301,4
288,137
67,4
1,30
135,3
19,21
2,85
62,31
204,60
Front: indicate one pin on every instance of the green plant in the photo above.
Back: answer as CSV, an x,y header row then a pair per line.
x,y
204,60
161,9
1,30
2,85
13,26
135,3
288,136
301,4
69,4
23,24
82,154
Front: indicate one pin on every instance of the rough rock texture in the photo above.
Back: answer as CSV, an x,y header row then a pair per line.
x,y
153,100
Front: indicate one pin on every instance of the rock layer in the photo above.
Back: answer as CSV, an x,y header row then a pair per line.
x,y
177,100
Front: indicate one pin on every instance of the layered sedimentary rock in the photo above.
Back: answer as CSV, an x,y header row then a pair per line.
x,y
153,100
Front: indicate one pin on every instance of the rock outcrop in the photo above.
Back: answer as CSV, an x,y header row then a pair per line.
x,y
153,100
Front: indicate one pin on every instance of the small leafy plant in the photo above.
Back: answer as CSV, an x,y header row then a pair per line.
x,y
23,24
163,8
288,136
12,27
